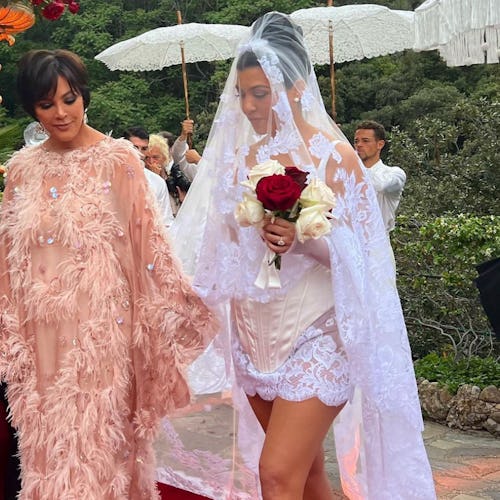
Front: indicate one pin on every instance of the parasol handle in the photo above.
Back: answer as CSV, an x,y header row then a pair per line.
x,y
329,3
184,79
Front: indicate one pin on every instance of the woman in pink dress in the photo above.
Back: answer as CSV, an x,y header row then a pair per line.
x,y
97,322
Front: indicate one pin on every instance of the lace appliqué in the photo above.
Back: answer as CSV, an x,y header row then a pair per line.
x,y
307,101
270,65
321,147
317,367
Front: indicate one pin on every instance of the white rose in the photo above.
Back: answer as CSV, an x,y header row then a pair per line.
x,y
248,212
317,193
269,167
312,223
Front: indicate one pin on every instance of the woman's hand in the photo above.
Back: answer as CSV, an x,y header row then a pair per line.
x,y
278,234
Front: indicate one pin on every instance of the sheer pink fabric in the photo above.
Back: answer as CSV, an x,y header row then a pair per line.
x,y
97,322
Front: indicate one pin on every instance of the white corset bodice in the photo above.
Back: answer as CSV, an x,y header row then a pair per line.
x,y
268,331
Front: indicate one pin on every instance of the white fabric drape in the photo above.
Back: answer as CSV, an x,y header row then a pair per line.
x,y
379,444
465,31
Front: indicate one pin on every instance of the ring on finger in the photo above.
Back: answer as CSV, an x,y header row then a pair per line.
x,y
281,242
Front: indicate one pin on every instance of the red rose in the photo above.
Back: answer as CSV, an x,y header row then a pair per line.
x,y
277,192
54,10
299,176
73,7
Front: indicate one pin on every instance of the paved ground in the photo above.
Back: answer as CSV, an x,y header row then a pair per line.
x,y
466,465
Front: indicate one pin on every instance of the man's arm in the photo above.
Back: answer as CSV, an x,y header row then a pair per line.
x,y
182,155
389,180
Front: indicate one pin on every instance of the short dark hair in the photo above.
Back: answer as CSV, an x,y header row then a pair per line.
x,y
38,71
169,136
378,128
136,132
286,39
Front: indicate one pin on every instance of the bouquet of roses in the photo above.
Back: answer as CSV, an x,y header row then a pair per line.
x,y
278,191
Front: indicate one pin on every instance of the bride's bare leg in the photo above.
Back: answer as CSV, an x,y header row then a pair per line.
x,y
317,484
292,452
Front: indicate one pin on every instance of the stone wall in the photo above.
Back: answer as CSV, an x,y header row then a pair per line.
x,y
469,408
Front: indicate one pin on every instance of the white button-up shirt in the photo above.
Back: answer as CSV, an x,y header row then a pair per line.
x,y
160,190
388,183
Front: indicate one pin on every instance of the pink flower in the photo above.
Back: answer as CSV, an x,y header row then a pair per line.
x,y
54,10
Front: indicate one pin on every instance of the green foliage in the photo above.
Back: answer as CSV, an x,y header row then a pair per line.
x,y
452,161
436,259
243,12
11,133
115,106
452,374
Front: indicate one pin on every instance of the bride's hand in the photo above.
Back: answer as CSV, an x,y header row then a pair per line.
x,y
278,234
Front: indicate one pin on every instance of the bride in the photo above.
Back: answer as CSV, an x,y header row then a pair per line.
x,y
325,343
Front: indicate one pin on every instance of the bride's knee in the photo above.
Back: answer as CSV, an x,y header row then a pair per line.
x,y
278,481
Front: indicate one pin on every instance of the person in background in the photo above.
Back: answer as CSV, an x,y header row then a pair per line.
x,y
159,161
169,136
140,139
97,321
186,157
369,140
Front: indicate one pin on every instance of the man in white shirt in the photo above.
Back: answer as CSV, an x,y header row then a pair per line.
x,y
140,139
369,140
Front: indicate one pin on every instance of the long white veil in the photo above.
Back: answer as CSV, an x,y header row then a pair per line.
x,y
379,444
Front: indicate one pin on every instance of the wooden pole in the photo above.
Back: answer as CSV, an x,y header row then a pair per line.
x,y
189,138
184,72
332,66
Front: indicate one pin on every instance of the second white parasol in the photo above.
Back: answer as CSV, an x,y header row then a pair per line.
x,y
359,31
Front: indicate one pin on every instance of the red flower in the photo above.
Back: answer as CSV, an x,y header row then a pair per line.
x,y
278,192
73,7
54,10
299,176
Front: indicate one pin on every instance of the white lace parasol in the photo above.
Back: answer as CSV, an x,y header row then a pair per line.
x,y
359,31
160,47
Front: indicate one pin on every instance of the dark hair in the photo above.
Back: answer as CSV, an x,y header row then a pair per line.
x,y
136,132
39,71
282,34
169,136
378,128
